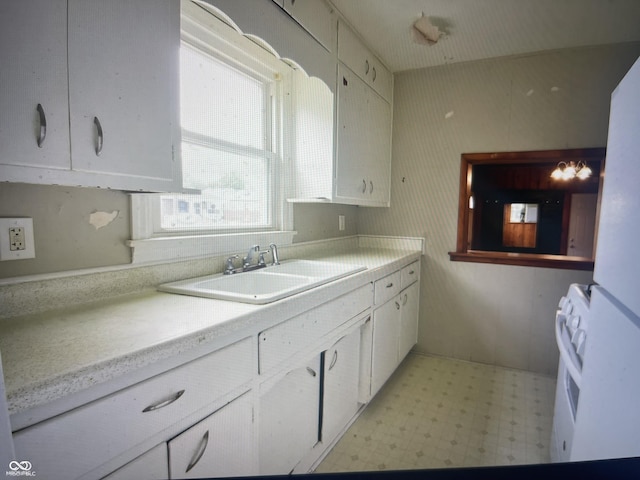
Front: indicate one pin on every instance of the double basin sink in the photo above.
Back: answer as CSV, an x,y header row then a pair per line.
x,y
265,285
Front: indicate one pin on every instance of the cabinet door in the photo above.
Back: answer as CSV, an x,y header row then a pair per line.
x,y
33,55
355,54
378,146
221,445
317,19
409,299
340,387
351,137
152,465
289,415
386,330
363,151
123,84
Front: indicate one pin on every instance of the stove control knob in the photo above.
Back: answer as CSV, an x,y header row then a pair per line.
x,y
574,321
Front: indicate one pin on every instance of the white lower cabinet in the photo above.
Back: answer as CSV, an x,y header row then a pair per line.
x,y
409,300
289,413
221,445
395,323
151,465
386,332
341,373
80,441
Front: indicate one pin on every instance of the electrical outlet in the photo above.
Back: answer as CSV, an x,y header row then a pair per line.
x,y
16,239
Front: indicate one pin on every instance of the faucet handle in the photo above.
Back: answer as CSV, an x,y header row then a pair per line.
x,y
230,268
261,257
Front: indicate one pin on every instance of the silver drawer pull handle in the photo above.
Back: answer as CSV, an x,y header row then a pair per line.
x,y
164,403
334,360
43,125
371,187
364,185
311,371
404,302
100,139
374,74
390,285
199,452
397,306
366,67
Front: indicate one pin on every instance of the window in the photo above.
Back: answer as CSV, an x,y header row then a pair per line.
x,y
228,149
232,104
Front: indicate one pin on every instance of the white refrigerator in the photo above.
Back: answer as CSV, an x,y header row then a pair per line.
x,y
608,414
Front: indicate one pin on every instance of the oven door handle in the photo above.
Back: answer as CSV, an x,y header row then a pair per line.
x,y
568,354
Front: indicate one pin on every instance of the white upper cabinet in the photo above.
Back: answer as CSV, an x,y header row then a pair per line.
x,y
363,143
354,54
267,22
107,117
123,83
316,17
34,112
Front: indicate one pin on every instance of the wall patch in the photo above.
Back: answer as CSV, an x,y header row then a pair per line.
x,y
102,219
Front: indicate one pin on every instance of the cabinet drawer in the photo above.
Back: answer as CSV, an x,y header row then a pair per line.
x,y
282,341
80,440
387,287
410,274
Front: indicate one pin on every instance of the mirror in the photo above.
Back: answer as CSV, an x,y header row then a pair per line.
x,y
513,211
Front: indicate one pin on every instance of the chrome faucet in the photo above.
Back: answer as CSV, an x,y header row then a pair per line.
x,y
247,264
274,254
246,261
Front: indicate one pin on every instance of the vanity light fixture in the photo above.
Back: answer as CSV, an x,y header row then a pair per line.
x,y
571,170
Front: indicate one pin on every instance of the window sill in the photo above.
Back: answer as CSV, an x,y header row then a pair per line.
x,y
166,249
523,259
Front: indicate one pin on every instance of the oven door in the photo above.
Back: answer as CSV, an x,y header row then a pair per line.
x,y
567,393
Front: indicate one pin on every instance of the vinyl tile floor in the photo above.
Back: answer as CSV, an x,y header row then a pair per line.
x,y
437,412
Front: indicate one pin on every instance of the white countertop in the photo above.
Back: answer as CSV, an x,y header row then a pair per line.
x,y
51,355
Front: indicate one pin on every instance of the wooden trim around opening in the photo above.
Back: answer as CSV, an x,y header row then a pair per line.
x,y
593,156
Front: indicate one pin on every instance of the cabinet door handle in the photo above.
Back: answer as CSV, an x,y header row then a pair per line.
x,y
364,185
100,139
311,371
404,302
370,187
390,285
43,125
199,452
334,359
397,306
366,67
412,272
164,403
374,74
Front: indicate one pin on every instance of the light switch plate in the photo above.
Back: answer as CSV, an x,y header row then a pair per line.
x,y
24,248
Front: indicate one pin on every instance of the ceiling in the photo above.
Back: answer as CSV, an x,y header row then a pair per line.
x,y
479,29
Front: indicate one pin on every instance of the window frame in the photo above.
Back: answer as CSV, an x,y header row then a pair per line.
x,y
204,31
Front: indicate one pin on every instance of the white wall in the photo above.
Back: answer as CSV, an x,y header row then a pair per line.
x,y
489,313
